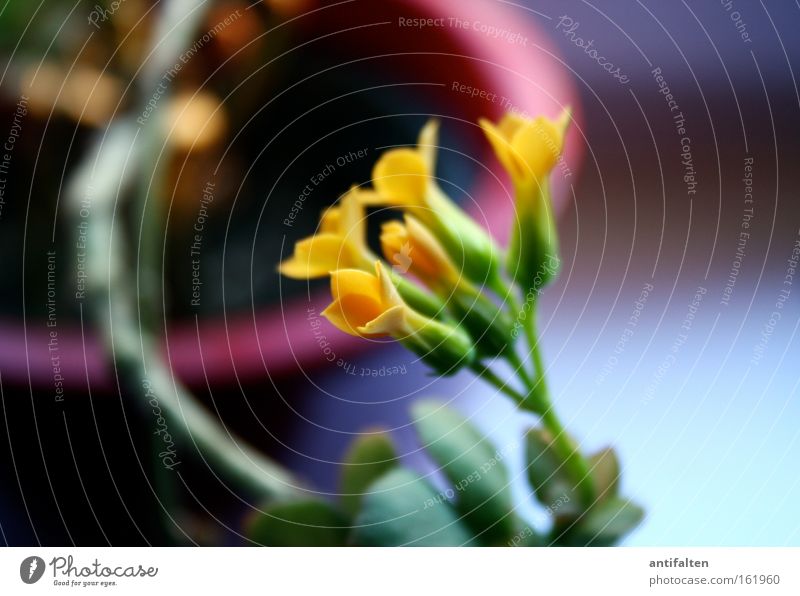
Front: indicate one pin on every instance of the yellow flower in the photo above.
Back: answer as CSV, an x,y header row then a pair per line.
x,y
412,248
405,178
528,149
369,305
340,243
366,304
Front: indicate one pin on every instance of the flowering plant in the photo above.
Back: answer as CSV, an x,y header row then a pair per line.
x,y
444,289
450,294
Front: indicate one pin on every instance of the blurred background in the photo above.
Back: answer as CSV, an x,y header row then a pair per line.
x,y
671,334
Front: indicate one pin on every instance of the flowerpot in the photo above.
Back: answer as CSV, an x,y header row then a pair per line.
x,y
455,60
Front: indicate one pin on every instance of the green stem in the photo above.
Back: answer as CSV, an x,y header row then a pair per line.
x,y
112,168
133,346
203,431
519,368
576,464
533,346
507,294
499,287
488,375
539,388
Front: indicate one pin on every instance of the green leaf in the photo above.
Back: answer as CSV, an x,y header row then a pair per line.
x,y
610,520
298,523
367,459
402,509
549,477
605,524
473,466
606,472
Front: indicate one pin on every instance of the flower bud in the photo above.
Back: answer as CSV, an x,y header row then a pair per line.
x,y
445,348
489,326
412,248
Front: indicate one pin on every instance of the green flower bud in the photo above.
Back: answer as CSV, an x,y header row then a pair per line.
x,y
445,348
487,323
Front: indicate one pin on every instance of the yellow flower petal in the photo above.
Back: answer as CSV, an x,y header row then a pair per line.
x,y
316,257
394,244
430,256
331,220
501,144
428,144
352,222
389,294
360,309
510,123
346,282
563,121
335,315
353,311
390,322
401,177
538,144
338,316
370,198
296,269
